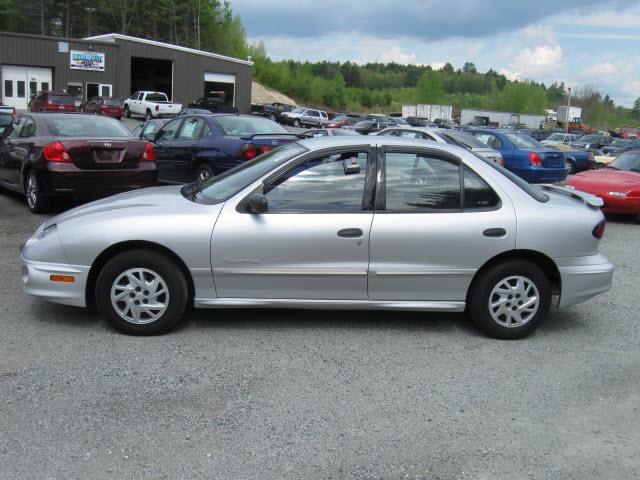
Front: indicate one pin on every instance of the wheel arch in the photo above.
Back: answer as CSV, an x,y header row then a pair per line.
x,y
543,261
120,247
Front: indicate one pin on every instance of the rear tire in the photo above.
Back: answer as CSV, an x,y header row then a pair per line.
x,y
36,200
571,165
127,112
141,292
273,117
510,300
204,172
148,116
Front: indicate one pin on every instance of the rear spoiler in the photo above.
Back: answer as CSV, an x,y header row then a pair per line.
x,y
253,135
587,198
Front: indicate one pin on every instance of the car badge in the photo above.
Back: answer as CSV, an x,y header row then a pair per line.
x,y
107,145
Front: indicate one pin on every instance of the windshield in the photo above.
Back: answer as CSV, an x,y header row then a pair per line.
x,y
466,140
364,124
342,132
85,126
236,126
222,187
523,140
556,136
111,102
297,110
589,138
619,143
627,161
155,97
64,99
5,119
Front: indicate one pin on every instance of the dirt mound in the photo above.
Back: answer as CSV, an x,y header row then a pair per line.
x,y
262,94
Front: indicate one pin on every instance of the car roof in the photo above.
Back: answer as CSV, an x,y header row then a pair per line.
x,y
347,141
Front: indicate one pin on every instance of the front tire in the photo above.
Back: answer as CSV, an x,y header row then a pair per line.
x,y
296,123
141,292
127,112
273,117
36,200
510,300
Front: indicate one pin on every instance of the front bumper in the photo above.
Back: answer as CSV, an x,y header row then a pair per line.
x,y
36,281
583,277
625,205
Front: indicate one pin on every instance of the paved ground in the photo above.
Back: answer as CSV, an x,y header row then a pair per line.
x,y
285,394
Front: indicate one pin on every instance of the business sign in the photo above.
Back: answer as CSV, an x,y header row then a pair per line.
x,y
87,61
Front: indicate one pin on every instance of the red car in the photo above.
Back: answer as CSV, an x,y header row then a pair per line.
x,y
52,102
110,106
341,120
628,132
618,184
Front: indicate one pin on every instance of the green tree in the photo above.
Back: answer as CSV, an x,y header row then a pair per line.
x,y
431,88
635,111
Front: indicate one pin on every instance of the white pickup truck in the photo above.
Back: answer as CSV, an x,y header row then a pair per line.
x,y
150,105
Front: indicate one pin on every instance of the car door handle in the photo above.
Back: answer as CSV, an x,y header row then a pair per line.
x,y
494,232
350,233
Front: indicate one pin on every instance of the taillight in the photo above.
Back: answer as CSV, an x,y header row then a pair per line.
x,y
247,152
264,149
534,158
590,156
55,152
598,230
149,154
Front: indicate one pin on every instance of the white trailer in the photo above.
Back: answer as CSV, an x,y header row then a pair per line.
x,y
500,119
431,112
569,114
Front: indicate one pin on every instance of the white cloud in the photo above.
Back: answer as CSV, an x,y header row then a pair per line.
x,y
610,18
601,70
397,55
532,62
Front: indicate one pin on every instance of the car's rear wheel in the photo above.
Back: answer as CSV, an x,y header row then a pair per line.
x,y
571,166
204,173
127,112
141,292
36,200
148,116
510,300
272,117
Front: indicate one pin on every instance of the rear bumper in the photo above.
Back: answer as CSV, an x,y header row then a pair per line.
x,y
541,174
36,281
67,179
583,278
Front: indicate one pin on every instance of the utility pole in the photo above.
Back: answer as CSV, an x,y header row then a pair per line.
x,y
568,110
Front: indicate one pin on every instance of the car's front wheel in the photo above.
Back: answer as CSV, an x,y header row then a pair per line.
x,y
510,300
141,292
296,123
127,112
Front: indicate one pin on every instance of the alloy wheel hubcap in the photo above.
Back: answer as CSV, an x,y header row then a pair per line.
x,y
32,195
139,296
514,301
204,175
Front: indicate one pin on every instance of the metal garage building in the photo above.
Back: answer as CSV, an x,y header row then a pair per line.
x,y
118,65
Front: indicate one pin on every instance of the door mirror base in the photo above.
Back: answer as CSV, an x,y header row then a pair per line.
x,y
257,203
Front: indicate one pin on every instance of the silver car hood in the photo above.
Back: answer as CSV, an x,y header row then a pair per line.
x,y
167,197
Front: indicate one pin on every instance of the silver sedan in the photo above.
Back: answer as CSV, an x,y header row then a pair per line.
x,y
335,223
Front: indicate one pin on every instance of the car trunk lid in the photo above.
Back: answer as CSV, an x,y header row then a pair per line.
x,y
104,154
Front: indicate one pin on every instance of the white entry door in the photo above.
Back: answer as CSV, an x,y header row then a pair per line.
x,y
19,82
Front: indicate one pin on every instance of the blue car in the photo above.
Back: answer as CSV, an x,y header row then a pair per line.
x,y
525,156
198,147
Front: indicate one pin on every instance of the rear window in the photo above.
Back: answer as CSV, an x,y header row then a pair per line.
x,y
240,126
85,126
156,97
111,102
532,190
523,140
64,99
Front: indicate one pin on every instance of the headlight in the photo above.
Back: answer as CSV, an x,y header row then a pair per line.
x,y
616,194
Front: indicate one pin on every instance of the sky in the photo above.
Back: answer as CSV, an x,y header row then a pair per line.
x,y
581,42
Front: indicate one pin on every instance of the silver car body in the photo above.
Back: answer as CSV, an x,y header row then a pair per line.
x,y
416,261
437,135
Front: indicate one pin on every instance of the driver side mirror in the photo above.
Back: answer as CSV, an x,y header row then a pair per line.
x,y
258,203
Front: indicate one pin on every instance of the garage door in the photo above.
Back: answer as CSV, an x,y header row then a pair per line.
x,y
221,86
19,82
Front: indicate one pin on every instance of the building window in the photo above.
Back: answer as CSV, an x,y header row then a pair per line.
x,y
21,88
8,88
33,88
44,86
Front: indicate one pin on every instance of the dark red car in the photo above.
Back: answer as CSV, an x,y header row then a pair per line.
x,y
342,120
48,155
52,102
618,184
109,106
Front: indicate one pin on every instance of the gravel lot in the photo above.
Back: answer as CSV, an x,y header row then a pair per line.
x,y
285,394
